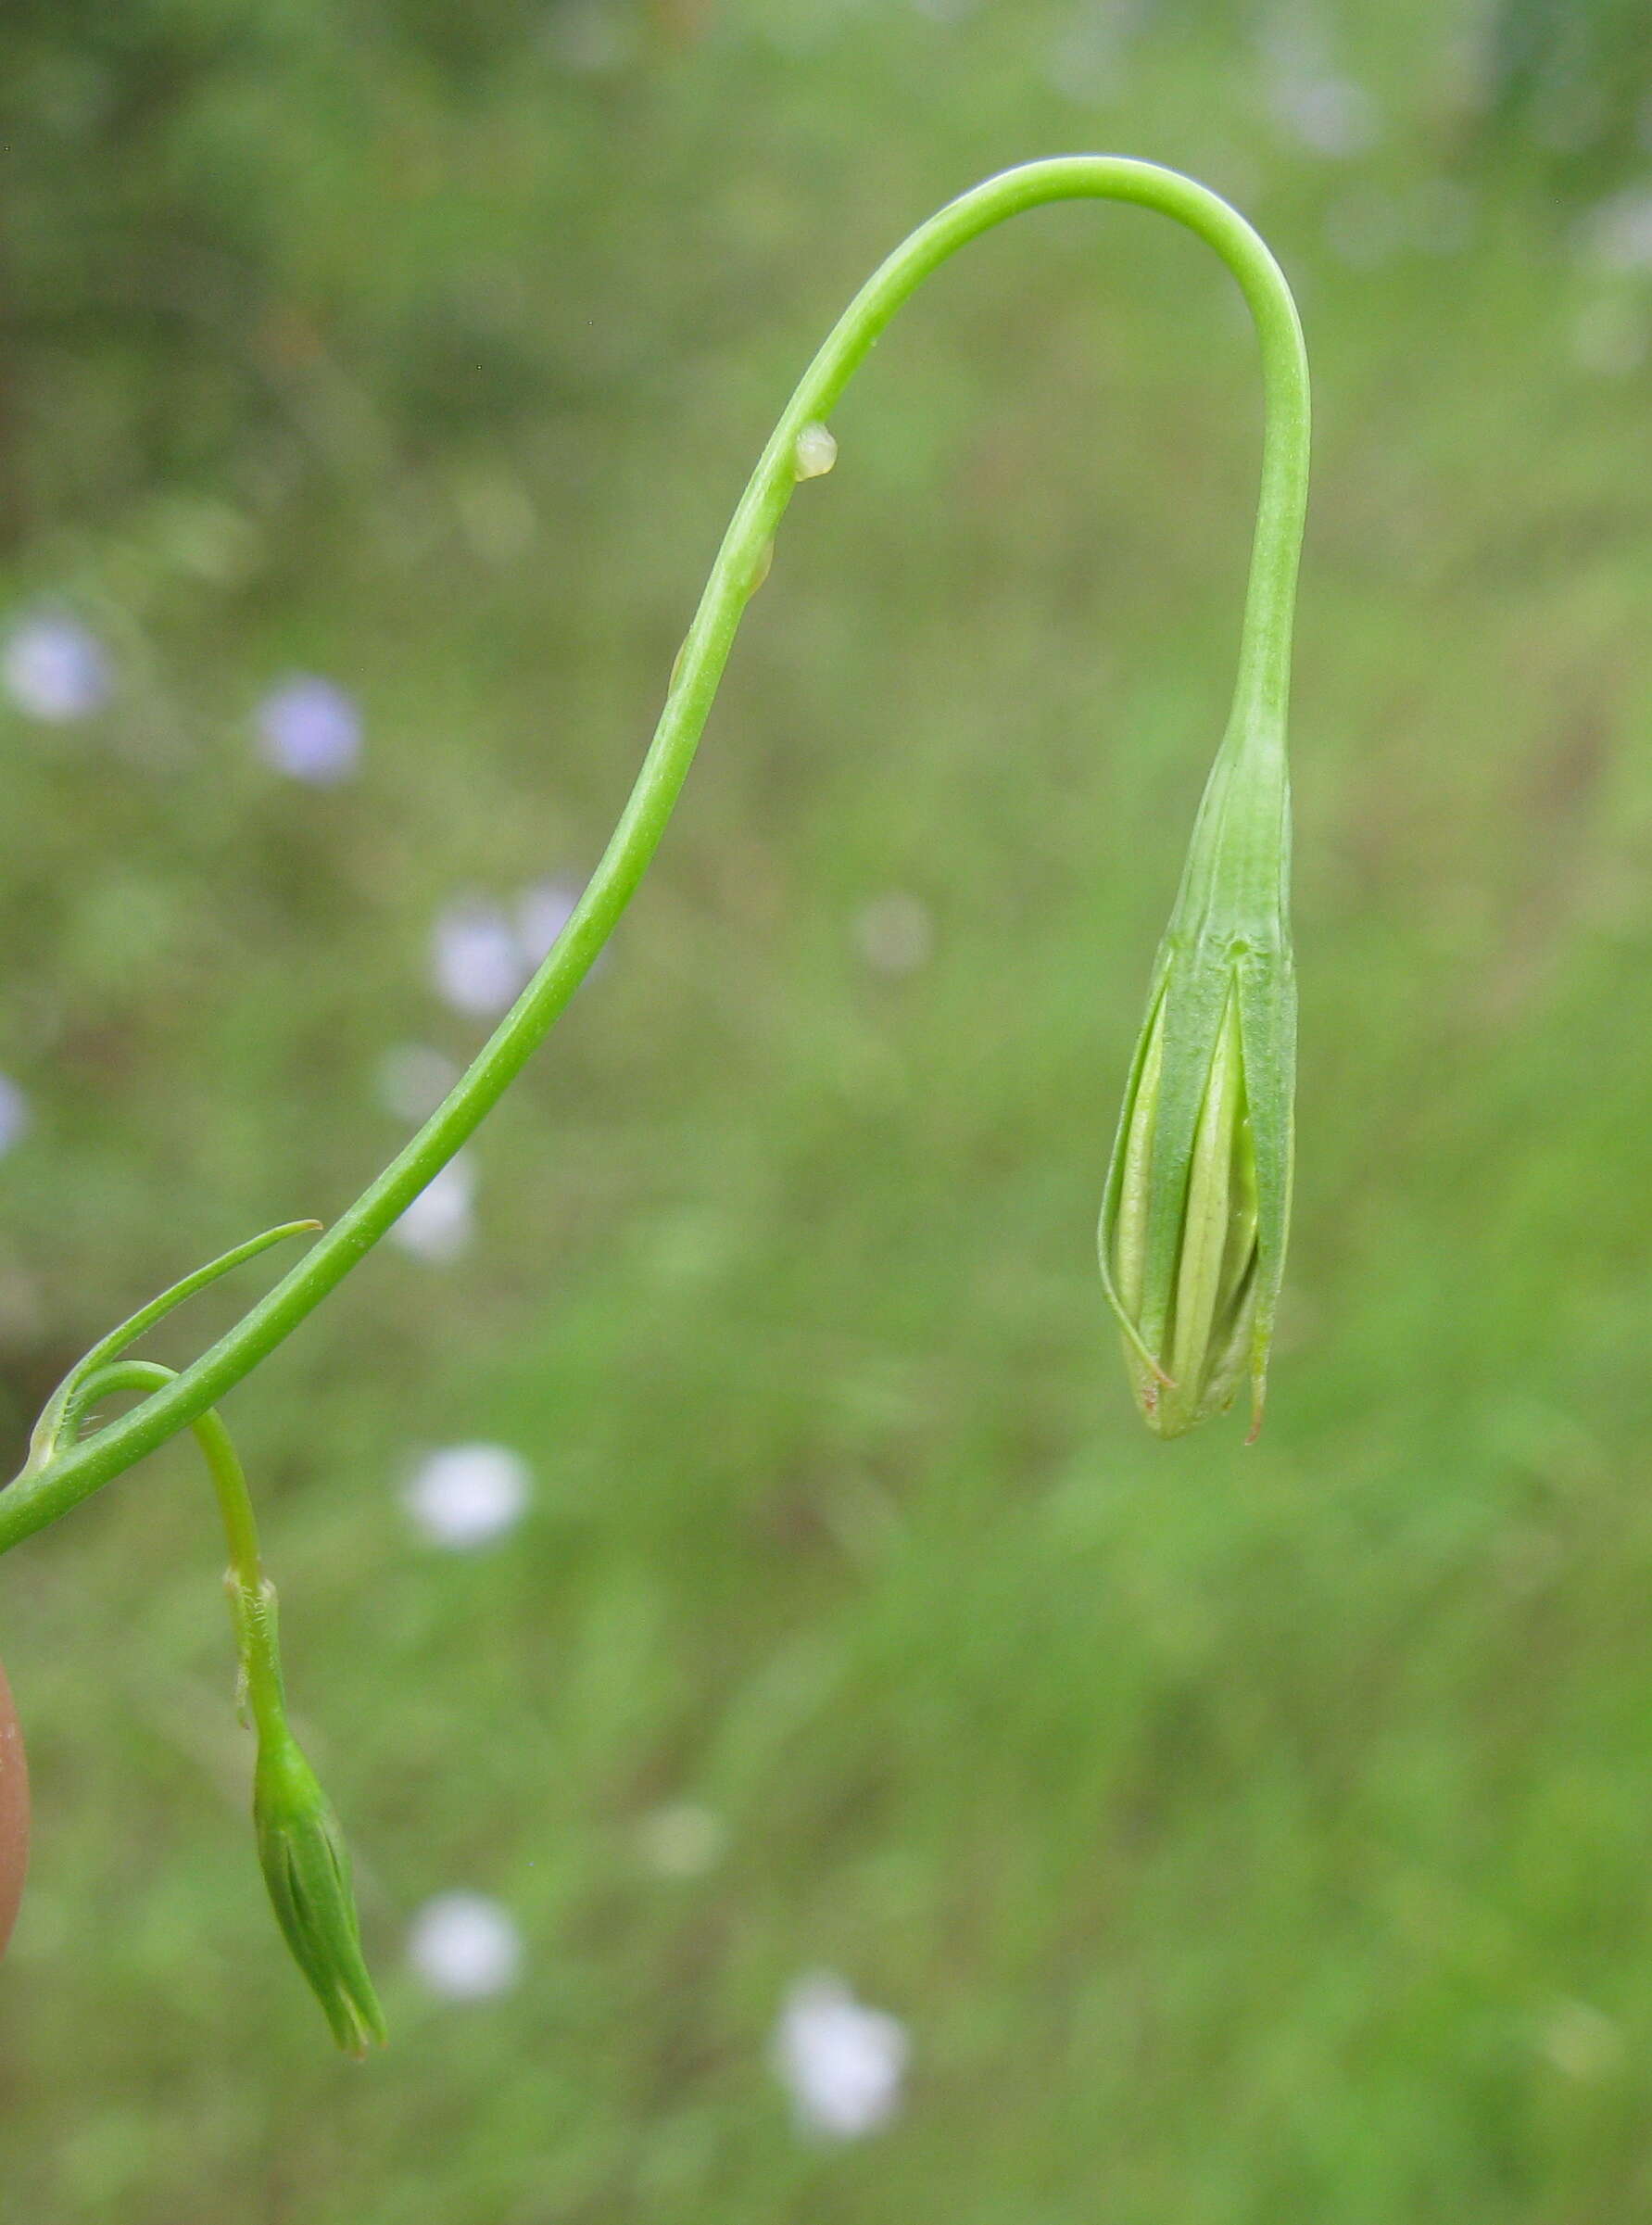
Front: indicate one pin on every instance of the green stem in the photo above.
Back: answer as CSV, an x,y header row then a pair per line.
x,y
250,1594
1264,667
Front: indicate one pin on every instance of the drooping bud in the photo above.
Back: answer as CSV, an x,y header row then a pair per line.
x,y
1193,1222
307,1868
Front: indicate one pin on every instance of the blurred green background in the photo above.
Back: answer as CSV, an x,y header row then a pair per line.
x,y
1236,1836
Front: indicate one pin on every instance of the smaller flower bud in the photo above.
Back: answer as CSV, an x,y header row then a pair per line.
x,y
307,1868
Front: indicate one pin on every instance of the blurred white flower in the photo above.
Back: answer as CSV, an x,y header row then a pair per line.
x,y
439,1223
55,668
842,2063
590,37
310,729
1088,60
1610,335
14,1113
1444,216
542,912
465,1947
1581,2041
895,933
1328,114
476,958
1617,233
468,1495
496,512
413,1080
682,1840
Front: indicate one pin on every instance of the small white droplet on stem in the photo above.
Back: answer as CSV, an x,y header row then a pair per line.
x,y
814,451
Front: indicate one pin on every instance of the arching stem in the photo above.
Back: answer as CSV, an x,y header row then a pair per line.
x,y
1263,669
249,1590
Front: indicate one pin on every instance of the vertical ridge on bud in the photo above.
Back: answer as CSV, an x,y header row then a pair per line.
x,y
1129,1245
1219,1233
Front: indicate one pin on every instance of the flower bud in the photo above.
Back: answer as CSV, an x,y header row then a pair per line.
x,y
307,1868
1193,1223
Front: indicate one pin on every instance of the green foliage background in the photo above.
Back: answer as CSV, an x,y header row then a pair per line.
x,y
1243,1836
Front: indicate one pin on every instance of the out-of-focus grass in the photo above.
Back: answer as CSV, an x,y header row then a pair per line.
x,y
1243,1836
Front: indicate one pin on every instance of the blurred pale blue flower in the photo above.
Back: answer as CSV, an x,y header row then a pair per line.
x,y
310,729
55,668
842,2063
477,960
14,1113
468,1495
465,1947
482,953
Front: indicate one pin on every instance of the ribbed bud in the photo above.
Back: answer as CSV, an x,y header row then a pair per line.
x,y
307,1868
1199,1351
1193,1224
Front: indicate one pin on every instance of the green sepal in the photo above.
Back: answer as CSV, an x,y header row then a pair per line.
x,y
1197,986
1266,987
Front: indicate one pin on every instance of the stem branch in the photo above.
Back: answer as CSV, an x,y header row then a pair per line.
x,y
250,1596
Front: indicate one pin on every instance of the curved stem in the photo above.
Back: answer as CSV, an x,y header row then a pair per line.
x,y
1263,680
249,1590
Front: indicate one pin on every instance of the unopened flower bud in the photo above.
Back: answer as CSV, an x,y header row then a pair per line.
x,y
307,1868
1193,1224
